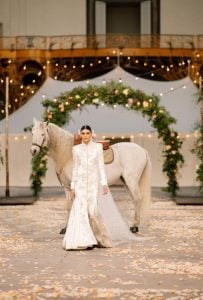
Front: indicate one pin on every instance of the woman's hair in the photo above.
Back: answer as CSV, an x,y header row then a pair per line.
x,y
86,127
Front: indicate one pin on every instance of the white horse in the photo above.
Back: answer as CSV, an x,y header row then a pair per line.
x,y
131,163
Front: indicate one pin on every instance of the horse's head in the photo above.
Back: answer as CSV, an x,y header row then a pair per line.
x,y
40,136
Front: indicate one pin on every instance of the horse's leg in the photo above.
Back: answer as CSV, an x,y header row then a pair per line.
x,y
133,188
69,205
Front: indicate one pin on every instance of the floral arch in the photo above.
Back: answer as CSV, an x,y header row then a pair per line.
x,y
59,110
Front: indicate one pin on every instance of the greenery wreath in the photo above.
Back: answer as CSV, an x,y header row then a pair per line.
x,y
198,146
113,93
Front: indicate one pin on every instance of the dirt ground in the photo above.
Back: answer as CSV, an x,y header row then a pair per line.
x,y
164,263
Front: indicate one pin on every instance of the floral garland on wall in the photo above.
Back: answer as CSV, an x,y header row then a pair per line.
x,y
198,146
59,110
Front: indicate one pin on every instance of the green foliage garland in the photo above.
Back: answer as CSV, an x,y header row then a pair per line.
x,y
198,147
39,168
198,150
59,110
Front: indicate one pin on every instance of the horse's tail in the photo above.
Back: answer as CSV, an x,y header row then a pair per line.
x,y
145,190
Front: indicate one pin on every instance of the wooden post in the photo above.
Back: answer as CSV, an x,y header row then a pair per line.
x,y
201,99
7,193
118,58
188,68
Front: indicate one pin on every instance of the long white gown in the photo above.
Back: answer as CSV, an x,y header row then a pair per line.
x,y
85,227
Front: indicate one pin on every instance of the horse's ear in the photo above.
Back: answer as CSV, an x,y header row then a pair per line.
x,y
34,120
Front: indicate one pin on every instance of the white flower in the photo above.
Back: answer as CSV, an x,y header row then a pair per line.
x,y
130,101
125,92
145,104
168,147
95,100
96,94
77,97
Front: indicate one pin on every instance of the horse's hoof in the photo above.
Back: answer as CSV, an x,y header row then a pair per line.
x,y
63,230
134,229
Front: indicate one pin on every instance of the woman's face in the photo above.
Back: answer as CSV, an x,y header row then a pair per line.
x,y
86,135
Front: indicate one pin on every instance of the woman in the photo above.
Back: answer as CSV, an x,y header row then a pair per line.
x,y
85,228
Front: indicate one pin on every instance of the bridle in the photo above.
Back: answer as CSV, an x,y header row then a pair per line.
x,y
40,146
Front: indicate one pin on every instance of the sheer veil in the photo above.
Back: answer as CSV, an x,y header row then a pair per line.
x,y
115,225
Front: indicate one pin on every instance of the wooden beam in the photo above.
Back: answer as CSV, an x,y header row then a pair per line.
x,y
45,54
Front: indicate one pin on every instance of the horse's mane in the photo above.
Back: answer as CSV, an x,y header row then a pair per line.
x,y
60,135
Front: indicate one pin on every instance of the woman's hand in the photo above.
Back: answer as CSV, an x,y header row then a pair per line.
x,y
105,189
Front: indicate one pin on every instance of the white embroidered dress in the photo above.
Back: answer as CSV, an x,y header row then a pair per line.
x,y
85,227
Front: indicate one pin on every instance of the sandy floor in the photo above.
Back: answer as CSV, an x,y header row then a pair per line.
x,y
165,264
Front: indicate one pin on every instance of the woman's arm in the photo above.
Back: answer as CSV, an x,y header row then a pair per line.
x,y
75,168
102,173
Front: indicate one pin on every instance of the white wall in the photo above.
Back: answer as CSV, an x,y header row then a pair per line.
x,y
145,17
47,17
20,160
68,17
182,17
100,17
